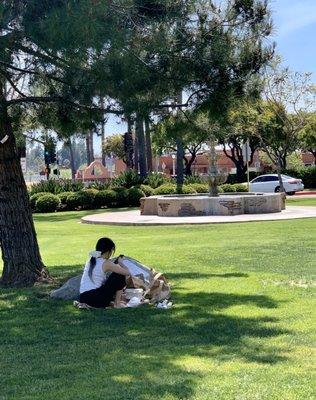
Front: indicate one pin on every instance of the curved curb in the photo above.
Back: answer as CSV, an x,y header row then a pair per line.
x,y
133,218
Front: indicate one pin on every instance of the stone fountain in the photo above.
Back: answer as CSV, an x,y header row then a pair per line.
x,y
212,203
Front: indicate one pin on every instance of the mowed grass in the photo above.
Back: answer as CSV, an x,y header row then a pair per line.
x,y
242,326
297,201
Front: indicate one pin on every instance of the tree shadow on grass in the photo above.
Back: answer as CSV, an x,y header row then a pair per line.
x,y
195,275
139,353
64,216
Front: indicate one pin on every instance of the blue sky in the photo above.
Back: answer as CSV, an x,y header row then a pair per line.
x,y
295,33
295,36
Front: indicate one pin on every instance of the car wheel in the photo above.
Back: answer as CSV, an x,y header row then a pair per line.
x,y
277,189
290,193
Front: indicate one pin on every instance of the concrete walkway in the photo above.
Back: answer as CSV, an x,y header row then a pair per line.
x,y
134,218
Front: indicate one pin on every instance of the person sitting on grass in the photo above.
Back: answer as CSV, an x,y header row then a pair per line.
x,y
103,281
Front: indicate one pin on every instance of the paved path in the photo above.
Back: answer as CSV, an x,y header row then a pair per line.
x,y
134,218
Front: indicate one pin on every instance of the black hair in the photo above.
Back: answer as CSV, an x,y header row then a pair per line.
x,y
103,245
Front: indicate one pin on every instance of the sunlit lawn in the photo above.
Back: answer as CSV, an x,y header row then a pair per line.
x,y
242,326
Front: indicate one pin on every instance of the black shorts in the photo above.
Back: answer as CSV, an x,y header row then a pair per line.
x,y
102,296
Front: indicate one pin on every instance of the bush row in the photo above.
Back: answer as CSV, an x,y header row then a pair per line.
x,y
86,199
194,188
116,197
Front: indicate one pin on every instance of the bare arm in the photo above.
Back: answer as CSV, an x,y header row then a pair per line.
x,y
118,268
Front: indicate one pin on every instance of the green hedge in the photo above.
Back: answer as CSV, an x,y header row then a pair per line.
x,y
188,189
148,190
63,197
34,197
167,188
121,197
105,198
200,187
228,188
134,196
239,187
47,203
83,199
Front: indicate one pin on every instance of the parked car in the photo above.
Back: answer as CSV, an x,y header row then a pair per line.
x,y
270,183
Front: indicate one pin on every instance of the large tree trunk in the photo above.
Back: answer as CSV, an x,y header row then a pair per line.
x,y
103,155
180,157
314,154
22,263
88,148
188,164
141,146
180,152
129,145
72,158
149,154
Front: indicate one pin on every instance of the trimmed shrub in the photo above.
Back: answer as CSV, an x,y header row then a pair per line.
x,y
127,179
154,180
83,199
188,189
239,187
91,193
148,190
134,196
47,203
34,197
106,198
228,188
74,201
121,197
220,189
167,188
200,187
63,197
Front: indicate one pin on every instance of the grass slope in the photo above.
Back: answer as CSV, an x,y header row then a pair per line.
x,y
242,326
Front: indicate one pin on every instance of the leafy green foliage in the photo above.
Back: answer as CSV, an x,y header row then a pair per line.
x,y
148,190
155,179
105,198
227,188
167,188
127,179
134,196
187,189
56,186
83,199
121,196
47,203
34,197
239,187
200,187
63,197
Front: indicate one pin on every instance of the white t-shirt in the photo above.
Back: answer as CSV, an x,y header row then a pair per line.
x,y
98,276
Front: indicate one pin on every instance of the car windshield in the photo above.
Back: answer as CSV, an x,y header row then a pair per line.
x,y
286,177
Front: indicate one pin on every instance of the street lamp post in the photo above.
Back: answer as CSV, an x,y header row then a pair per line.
x,y
173,164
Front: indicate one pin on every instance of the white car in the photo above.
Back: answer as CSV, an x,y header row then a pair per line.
x,y
270,183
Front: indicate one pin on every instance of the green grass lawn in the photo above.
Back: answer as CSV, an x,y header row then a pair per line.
x,y
242,326
297,201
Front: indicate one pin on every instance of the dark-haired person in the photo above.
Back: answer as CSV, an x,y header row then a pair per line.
x,y
103,280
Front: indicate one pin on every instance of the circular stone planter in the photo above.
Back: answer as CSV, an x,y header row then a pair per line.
x,y
202,204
